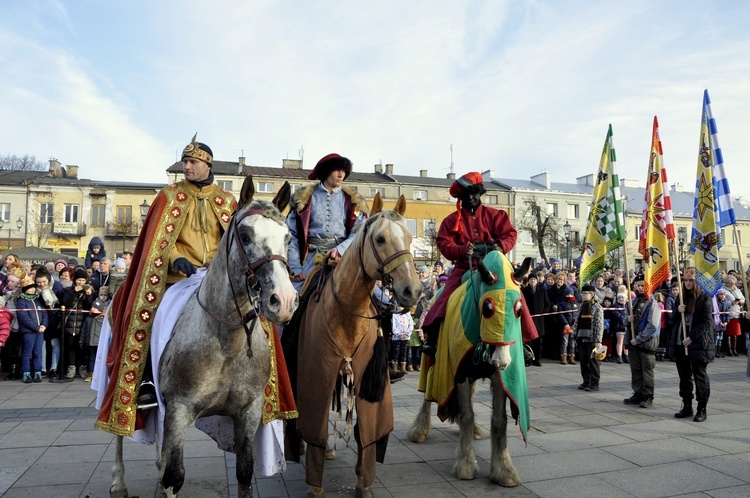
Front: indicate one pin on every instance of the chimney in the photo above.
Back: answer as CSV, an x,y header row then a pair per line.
x,y
72,171
423,173
242,161
544,178
586,180
379,169
55,168
451,176
291,163
388,169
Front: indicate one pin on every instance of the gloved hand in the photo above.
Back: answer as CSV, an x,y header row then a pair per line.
x,y
182,265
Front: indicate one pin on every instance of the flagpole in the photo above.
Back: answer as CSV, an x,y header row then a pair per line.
x,y
630,292
682,303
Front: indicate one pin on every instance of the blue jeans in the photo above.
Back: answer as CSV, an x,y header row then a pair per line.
x,y
32,344
568,344
55,353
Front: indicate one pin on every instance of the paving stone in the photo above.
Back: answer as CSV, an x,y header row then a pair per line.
x,y
658,451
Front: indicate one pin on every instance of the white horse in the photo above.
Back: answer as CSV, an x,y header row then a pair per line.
x,y
217,361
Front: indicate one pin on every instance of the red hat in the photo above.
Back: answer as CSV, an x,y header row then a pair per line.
x,y
329,163
466,181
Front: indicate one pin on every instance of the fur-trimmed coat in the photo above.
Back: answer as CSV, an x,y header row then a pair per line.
x,y
317,213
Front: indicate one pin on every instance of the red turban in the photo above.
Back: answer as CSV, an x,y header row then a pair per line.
x,y
466,181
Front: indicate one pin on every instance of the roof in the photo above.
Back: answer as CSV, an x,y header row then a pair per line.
x,y
527,184
16,177
683,203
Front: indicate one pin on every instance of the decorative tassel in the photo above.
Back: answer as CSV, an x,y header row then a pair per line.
x,y
375,376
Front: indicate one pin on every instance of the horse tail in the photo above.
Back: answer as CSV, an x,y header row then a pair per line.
x,y
375,376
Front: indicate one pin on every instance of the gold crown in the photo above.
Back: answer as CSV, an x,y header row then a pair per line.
x,y
193,150
18,273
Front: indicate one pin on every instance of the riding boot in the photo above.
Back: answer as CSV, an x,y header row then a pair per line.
x,y
564,359
571,359
429,346
734,346
402,366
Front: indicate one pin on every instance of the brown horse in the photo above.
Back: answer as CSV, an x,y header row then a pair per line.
x,y
339,337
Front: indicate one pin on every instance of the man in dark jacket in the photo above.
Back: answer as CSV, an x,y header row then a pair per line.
x,y
538,303
692,347
642,347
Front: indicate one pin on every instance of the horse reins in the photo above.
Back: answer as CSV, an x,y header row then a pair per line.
x,y
251,281
385,267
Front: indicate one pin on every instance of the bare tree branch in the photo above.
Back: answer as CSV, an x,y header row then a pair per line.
x,y
25,163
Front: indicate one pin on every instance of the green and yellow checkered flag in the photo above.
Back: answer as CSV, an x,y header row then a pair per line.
x,y
606,227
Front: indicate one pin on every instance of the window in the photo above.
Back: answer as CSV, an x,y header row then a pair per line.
x,y
97,215
735,235
575,238
420,195
295,187
375,191
552,209
637,232
225,184
573,211
71,213
490,199
411,225
527,237
124,215
265,187
429,229
46,212
5,211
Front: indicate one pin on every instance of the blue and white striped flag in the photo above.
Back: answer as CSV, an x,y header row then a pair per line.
x,y
723,199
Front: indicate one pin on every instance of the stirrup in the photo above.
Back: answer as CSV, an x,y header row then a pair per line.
x,y
147,400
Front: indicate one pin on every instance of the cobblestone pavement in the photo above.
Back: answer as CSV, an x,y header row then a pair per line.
x,y
581,444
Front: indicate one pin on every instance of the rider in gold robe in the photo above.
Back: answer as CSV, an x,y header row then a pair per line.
x,y
181,233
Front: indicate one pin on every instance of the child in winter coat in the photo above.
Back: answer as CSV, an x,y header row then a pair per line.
x,y
618,315
76,299
568,340
32,322
723,305
5,319
90,332
403,326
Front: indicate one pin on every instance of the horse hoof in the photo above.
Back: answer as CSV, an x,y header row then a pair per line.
x,y
478,433
507,482
313,491
364,492
330,454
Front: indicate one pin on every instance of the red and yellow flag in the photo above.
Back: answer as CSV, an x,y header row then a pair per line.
x,y
657,227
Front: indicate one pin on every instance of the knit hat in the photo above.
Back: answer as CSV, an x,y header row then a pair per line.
x,y
554,260
329,163
198,150
120,264
441,279
639,278
99,305
619,295
80,273
721,291
423,269
60,262
533,275
587,288
73,262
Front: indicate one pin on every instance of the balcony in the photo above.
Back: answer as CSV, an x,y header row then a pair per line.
x,y
116,230
68,228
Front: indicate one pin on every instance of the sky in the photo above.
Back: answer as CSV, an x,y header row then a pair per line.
x,y
516,86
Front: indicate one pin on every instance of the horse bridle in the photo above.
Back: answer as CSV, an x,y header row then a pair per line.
x,y
385,267
252,286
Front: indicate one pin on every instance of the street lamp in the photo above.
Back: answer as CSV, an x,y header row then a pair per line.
x,y
566,231
682,240
144,210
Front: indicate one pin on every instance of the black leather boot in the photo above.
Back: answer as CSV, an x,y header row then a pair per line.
x,y
686,410
700,414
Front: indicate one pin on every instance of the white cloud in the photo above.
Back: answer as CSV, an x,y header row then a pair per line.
x,y
509,84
